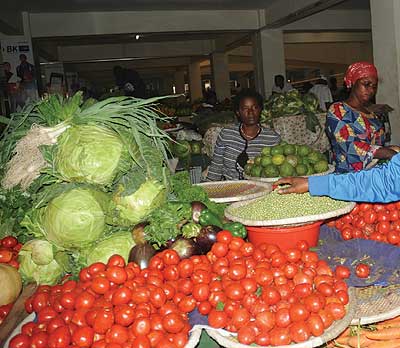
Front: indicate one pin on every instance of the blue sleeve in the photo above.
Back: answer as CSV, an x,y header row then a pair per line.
x,y
380,184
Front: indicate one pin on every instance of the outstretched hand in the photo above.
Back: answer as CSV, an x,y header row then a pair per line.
x,y
297,185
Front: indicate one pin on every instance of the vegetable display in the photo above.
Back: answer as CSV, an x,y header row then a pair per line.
x,y
286,160
379,222
292,103
275,206
265,295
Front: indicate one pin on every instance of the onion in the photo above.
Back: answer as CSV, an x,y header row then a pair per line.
x,y
11,284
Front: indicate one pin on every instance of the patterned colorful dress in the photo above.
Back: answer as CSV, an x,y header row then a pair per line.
x,y
354,136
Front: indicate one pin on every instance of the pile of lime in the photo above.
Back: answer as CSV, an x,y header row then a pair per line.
x,y
287,160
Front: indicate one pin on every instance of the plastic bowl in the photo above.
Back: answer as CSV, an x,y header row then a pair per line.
x,y
285,237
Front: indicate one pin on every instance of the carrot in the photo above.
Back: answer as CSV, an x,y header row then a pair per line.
x,y
385,344
382,326
364,341
390,321
342,340
385,334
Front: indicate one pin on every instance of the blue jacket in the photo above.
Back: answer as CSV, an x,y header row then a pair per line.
x,y
379,184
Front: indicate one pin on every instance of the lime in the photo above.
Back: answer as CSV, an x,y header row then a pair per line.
x,y
256,171
257,160
301,169
313,157
289,149
292,159
278,159
303,150
270,171
286,169
266,151
321,166
265,160
277,150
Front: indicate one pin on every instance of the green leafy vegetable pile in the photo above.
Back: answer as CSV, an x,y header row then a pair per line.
x,y
292,103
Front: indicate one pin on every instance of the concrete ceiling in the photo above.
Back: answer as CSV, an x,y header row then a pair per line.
x,y
134,5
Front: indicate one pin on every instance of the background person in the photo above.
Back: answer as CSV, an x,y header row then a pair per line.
x,y
280,85
355,133
322,92
237,143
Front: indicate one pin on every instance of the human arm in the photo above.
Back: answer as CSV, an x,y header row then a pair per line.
x,y
216,166
380,184
384,153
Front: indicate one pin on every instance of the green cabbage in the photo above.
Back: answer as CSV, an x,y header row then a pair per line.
x,y
75,218
137,206
39,263
91,154
119,243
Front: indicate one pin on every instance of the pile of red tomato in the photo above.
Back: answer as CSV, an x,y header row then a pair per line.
x,y
9,248
379,222
265,295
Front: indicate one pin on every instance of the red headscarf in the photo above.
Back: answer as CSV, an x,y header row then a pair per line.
x,y
357,71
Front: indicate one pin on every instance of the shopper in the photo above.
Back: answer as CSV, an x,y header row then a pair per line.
x,y
379,184
237,143
280,85
355,133
322,92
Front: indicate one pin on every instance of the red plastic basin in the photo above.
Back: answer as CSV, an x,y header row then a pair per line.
x,y
284,237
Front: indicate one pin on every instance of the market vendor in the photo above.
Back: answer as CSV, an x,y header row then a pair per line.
x,y
380,184
355,132
238,143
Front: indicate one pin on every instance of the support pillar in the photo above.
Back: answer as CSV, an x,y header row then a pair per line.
x,y
220,71
179,81
385,17
195,81
269,59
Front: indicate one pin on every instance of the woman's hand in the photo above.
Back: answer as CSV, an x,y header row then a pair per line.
x,y
297,185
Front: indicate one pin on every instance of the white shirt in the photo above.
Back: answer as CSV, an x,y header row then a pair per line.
x,y
286,88
323,93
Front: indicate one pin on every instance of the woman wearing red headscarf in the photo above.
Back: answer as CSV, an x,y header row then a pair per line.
x,y
356,134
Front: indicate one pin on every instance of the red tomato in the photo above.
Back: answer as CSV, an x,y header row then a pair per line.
x,y
83,336
141,342
217,319
20,341
219,249
370,216
336,309
314,303
326,317
234,291
383,227
298,312
282,317
9,242
5,255
265,320
224,236
204,307
240,318
393,237
246,335
116,260
116,274
280,336
342,272
173,323
362,270
117,334
315,325
39,339
59,338
302,245
299,332
237,272
270,295
302,290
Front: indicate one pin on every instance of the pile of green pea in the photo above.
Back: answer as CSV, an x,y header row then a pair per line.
x,y
276,207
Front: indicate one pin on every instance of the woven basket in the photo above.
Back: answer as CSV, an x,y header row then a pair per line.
x,y
271,180
376,303
234,191
284,222
227,339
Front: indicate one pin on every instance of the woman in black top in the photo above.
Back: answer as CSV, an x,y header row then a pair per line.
x,y
237,143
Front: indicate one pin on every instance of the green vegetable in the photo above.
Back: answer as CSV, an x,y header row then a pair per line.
x,y
91,154
191,230
236,228
136,207
119,243
164,223
275,207
39,263
207,217
72,220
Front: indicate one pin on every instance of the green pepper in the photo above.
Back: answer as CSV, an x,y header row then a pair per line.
x,y
191,230
207,217
236,228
